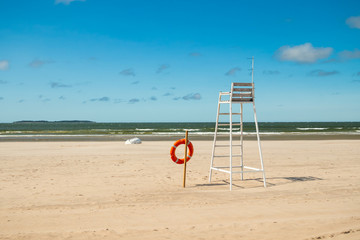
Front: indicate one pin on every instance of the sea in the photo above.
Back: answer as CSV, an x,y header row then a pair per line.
x,y
88,128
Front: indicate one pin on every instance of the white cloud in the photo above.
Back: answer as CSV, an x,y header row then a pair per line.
x,y
59,85
128,72
134,100
38,63
162,68
345,55
322,73
304,53
232,72
67,2
4,65
353,22
102,99
192,96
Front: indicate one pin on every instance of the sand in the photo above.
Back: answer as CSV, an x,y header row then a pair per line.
x,y
109,190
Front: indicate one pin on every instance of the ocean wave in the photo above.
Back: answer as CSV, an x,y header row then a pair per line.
x,y
306,129
191,130
227,129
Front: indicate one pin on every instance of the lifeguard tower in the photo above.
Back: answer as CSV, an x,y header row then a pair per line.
x,y
240,94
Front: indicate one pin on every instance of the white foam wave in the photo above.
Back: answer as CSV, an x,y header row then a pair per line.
x,y
305,129
191,130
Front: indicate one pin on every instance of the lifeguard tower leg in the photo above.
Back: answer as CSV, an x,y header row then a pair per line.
x,y
215,134
259,145
241,142
230,113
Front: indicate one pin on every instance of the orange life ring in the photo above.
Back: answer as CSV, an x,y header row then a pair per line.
x,y
173,149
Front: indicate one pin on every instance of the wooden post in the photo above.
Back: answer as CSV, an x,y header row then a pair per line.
x,y
186,144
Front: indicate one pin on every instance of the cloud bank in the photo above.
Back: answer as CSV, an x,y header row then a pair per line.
x,y
353,22
304,53
4,65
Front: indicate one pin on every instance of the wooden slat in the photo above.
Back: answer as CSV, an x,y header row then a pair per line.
x,y
242,95
242,84
242,99
242,90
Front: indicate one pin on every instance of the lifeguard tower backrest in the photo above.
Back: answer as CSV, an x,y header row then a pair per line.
x,y
242,92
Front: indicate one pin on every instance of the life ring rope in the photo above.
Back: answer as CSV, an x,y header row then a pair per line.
x,y
174,147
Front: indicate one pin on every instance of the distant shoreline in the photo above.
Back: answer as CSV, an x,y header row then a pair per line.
x,y
61,121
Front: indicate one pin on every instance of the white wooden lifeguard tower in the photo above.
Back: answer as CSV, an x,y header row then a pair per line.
x,y
240,93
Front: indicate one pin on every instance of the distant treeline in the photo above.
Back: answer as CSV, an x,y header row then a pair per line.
x,y
63,121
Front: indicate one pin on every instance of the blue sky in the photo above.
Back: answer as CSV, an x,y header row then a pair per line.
x,y
146,61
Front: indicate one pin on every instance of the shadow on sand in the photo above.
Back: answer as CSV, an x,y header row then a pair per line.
x,y
270,182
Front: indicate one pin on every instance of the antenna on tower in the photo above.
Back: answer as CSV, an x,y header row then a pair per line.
x,y
252,70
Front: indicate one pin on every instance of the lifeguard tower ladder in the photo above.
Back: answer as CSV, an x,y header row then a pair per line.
x,y
241,93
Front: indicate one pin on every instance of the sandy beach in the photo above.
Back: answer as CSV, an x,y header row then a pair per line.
x,y
109,190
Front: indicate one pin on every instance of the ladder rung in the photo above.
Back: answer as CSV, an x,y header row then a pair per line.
x,y
228,167
228,124
236,145
229,113
227,156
